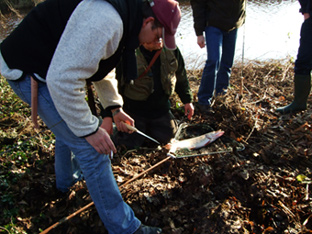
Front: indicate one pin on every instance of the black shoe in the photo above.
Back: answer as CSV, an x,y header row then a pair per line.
x,y
205,109
148,230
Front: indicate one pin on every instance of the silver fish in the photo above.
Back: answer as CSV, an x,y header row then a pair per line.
x,y
193,143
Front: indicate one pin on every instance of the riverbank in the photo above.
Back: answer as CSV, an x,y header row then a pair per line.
x,y
263,188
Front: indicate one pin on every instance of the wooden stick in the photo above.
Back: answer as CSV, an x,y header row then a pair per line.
x,y
34,101
63,220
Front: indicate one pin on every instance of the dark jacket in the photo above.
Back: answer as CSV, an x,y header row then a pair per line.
x,y
223,14
306,6
149,95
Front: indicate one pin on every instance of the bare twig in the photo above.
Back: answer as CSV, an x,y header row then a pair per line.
x,y
2,228
272,69
307,220
12,8
286,209
285,71
307,192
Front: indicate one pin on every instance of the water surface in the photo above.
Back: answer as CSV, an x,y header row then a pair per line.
x,y
271,31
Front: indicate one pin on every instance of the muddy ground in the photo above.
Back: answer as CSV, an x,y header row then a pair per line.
x,y
256,178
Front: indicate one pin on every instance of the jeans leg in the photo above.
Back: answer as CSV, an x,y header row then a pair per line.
x,y
67,169
116,215
227,58
213,44
303,64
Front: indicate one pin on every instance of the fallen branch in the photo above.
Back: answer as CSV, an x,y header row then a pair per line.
x,y
63,220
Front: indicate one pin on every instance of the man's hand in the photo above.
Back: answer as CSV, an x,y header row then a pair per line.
x,y
189,110
101,142
107,124
120,117
201,41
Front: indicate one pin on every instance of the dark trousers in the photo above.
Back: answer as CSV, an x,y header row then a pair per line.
x,y
303,64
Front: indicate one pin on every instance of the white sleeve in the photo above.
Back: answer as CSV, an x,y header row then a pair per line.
x,y
107,91
92,33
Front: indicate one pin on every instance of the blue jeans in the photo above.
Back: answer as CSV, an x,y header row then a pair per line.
x,y
116,215
220,56
303,64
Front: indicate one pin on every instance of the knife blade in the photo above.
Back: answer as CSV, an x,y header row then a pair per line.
x,y
141,133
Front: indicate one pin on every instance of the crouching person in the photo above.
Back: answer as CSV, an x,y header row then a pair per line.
x,y
146,99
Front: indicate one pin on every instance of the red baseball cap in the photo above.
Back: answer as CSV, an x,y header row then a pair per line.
x,y
168,14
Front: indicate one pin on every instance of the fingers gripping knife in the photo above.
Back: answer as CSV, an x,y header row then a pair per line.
x,y
141,133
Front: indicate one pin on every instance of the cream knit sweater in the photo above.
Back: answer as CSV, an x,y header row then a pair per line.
x,y
92,33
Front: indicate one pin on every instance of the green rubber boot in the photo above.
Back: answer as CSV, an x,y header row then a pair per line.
x,y
301,93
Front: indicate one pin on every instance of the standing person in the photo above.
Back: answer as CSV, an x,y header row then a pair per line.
x,y
220,21
58,47
303,63
146,100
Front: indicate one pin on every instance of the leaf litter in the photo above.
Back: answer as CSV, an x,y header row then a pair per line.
x,y
262,188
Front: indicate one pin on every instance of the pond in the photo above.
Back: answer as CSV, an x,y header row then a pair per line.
x,y
271,31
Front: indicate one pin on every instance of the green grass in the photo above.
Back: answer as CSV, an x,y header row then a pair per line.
x,y
21,150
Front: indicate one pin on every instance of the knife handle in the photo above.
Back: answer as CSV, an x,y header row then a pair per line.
x,y
131,127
